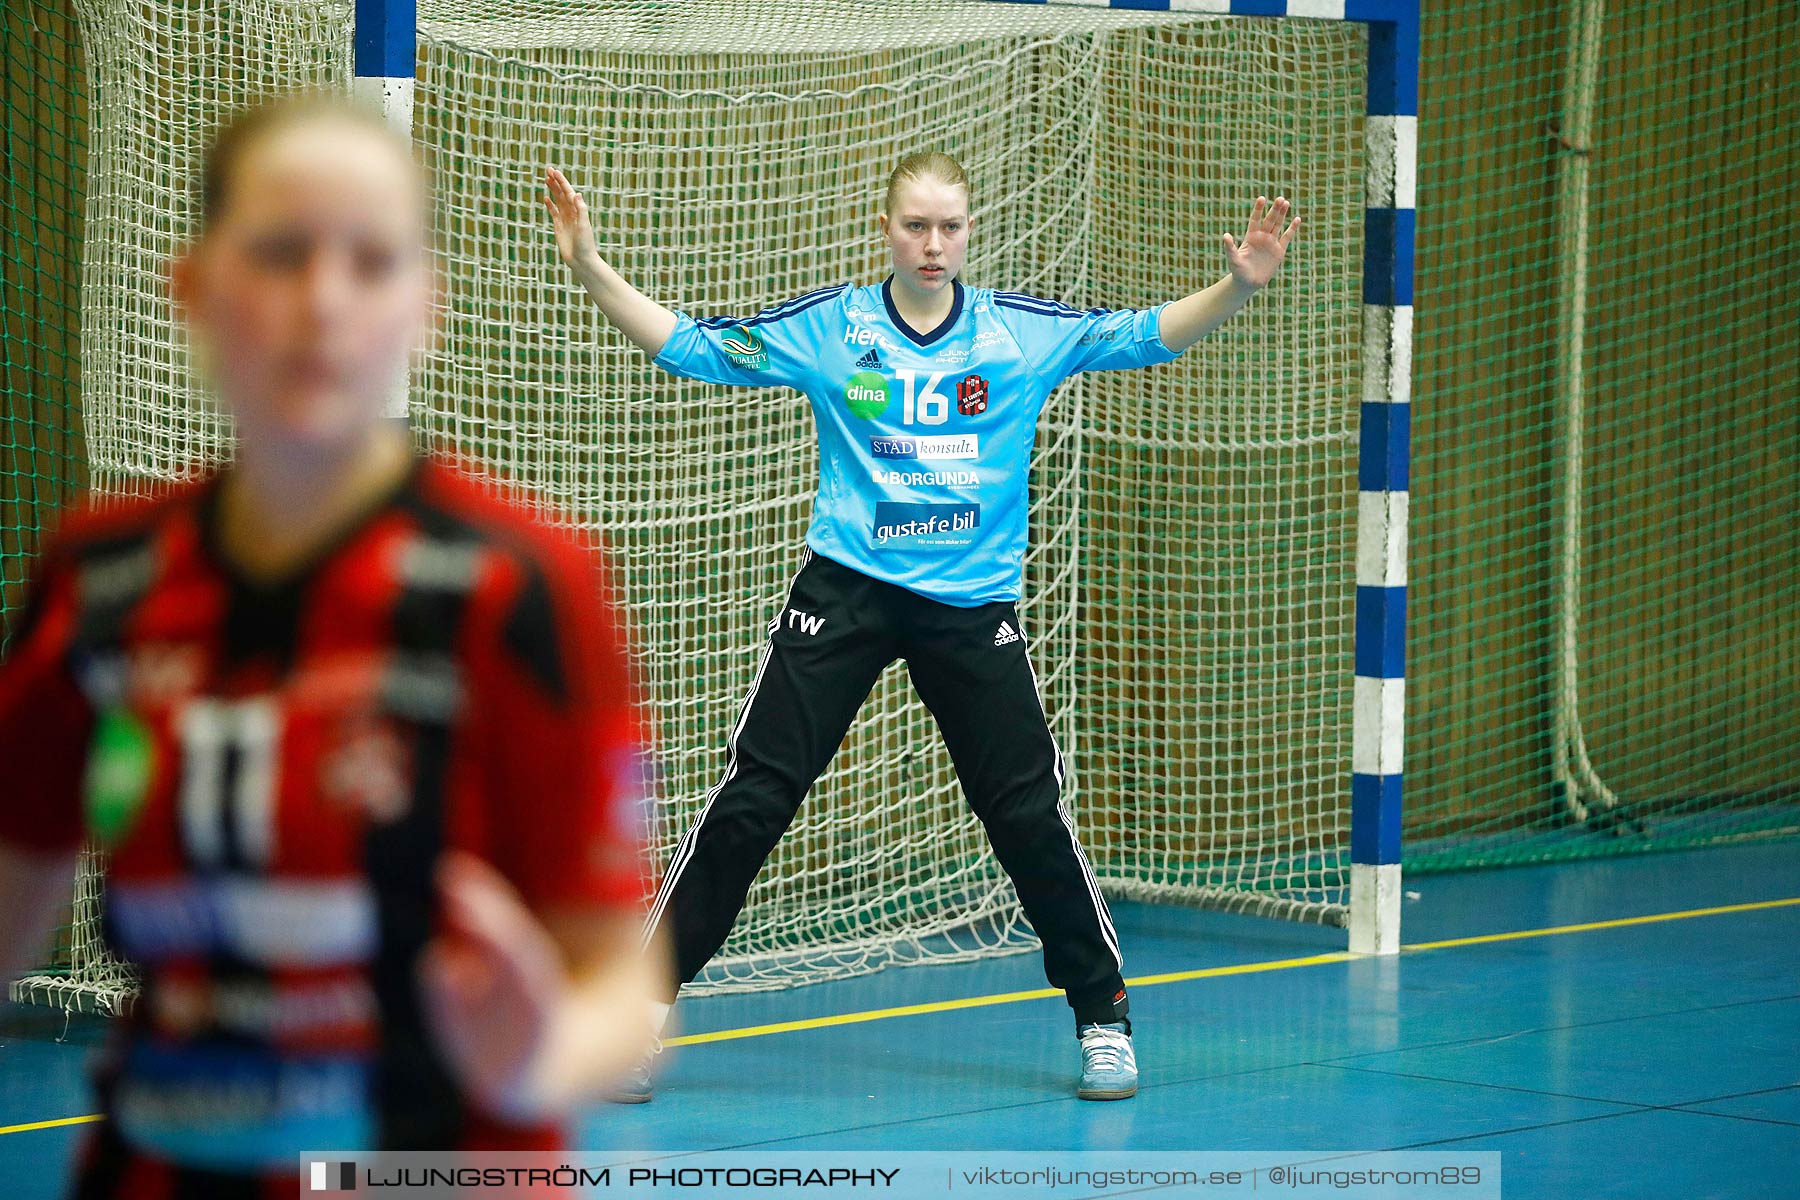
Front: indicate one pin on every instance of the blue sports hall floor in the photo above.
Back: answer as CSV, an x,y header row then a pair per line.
x,y
1637,1035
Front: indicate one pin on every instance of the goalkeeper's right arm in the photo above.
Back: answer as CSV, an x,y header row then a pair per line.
x,y
647,323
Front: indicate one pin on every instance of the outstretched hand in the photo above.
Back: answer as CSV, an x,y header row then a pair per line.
x,y
1254,260
491,982
647,323
574,232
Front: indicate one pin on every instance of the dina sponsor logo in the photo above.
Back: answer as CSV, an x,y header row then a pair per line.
x,y
943,446
926,478
745,348
866,393
943,524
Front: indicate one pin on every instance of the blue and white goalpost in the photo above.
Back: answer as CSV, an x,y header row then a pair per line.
x,y
386,75
1391,141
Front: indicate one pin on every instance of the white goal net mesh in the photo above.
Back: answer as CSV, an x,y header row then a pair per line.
x,y
1189,594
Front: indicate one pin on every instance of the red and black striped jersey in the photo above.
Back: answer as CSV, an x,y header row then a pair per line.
x,y
277,769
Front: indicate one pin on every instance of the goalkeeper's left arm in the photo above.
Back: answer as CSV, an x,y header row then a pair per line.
x,y
1253,263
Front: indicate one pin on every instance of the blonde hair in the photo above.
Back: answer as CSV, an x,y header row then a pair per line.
x,y
246,129
926,164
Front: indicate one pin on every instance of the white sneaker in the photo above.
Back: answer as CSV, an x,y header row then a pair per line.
x,y
635,1088
1108,1063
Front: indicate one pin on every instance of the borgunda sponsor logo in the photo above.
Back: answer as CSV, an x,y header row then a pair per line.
x,y
927,478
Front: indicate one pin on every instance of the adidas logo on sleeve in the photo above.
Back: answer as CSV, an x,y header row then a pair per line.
x,y
1006,635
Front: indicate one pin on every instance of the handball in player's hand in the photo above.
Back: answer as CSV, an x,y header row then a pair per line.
x,y
574,232
490,981
1266,238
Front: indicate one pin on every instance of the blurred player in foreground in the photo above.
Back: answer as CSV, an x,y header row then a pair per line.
x,y
927,396
358,732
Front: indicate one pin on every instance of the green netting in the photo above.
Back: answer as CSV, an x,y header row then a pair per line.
x,y
43,102
1669,686
45,114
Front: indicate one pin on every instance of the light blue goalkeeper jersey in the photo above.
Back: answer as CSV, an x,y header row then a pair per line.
x,y
924,438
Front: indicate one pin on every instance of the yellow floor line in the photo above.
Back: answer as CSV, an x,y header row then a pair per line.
x,y
881,1014
1283,964
1620,923
90,1118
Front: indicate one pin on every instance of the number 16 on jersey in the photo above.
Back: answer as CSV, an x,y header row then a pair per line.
x,y
922,407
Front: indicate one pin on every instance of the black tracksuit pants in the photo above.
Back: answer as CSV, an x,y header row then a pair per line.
x,y
827,646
